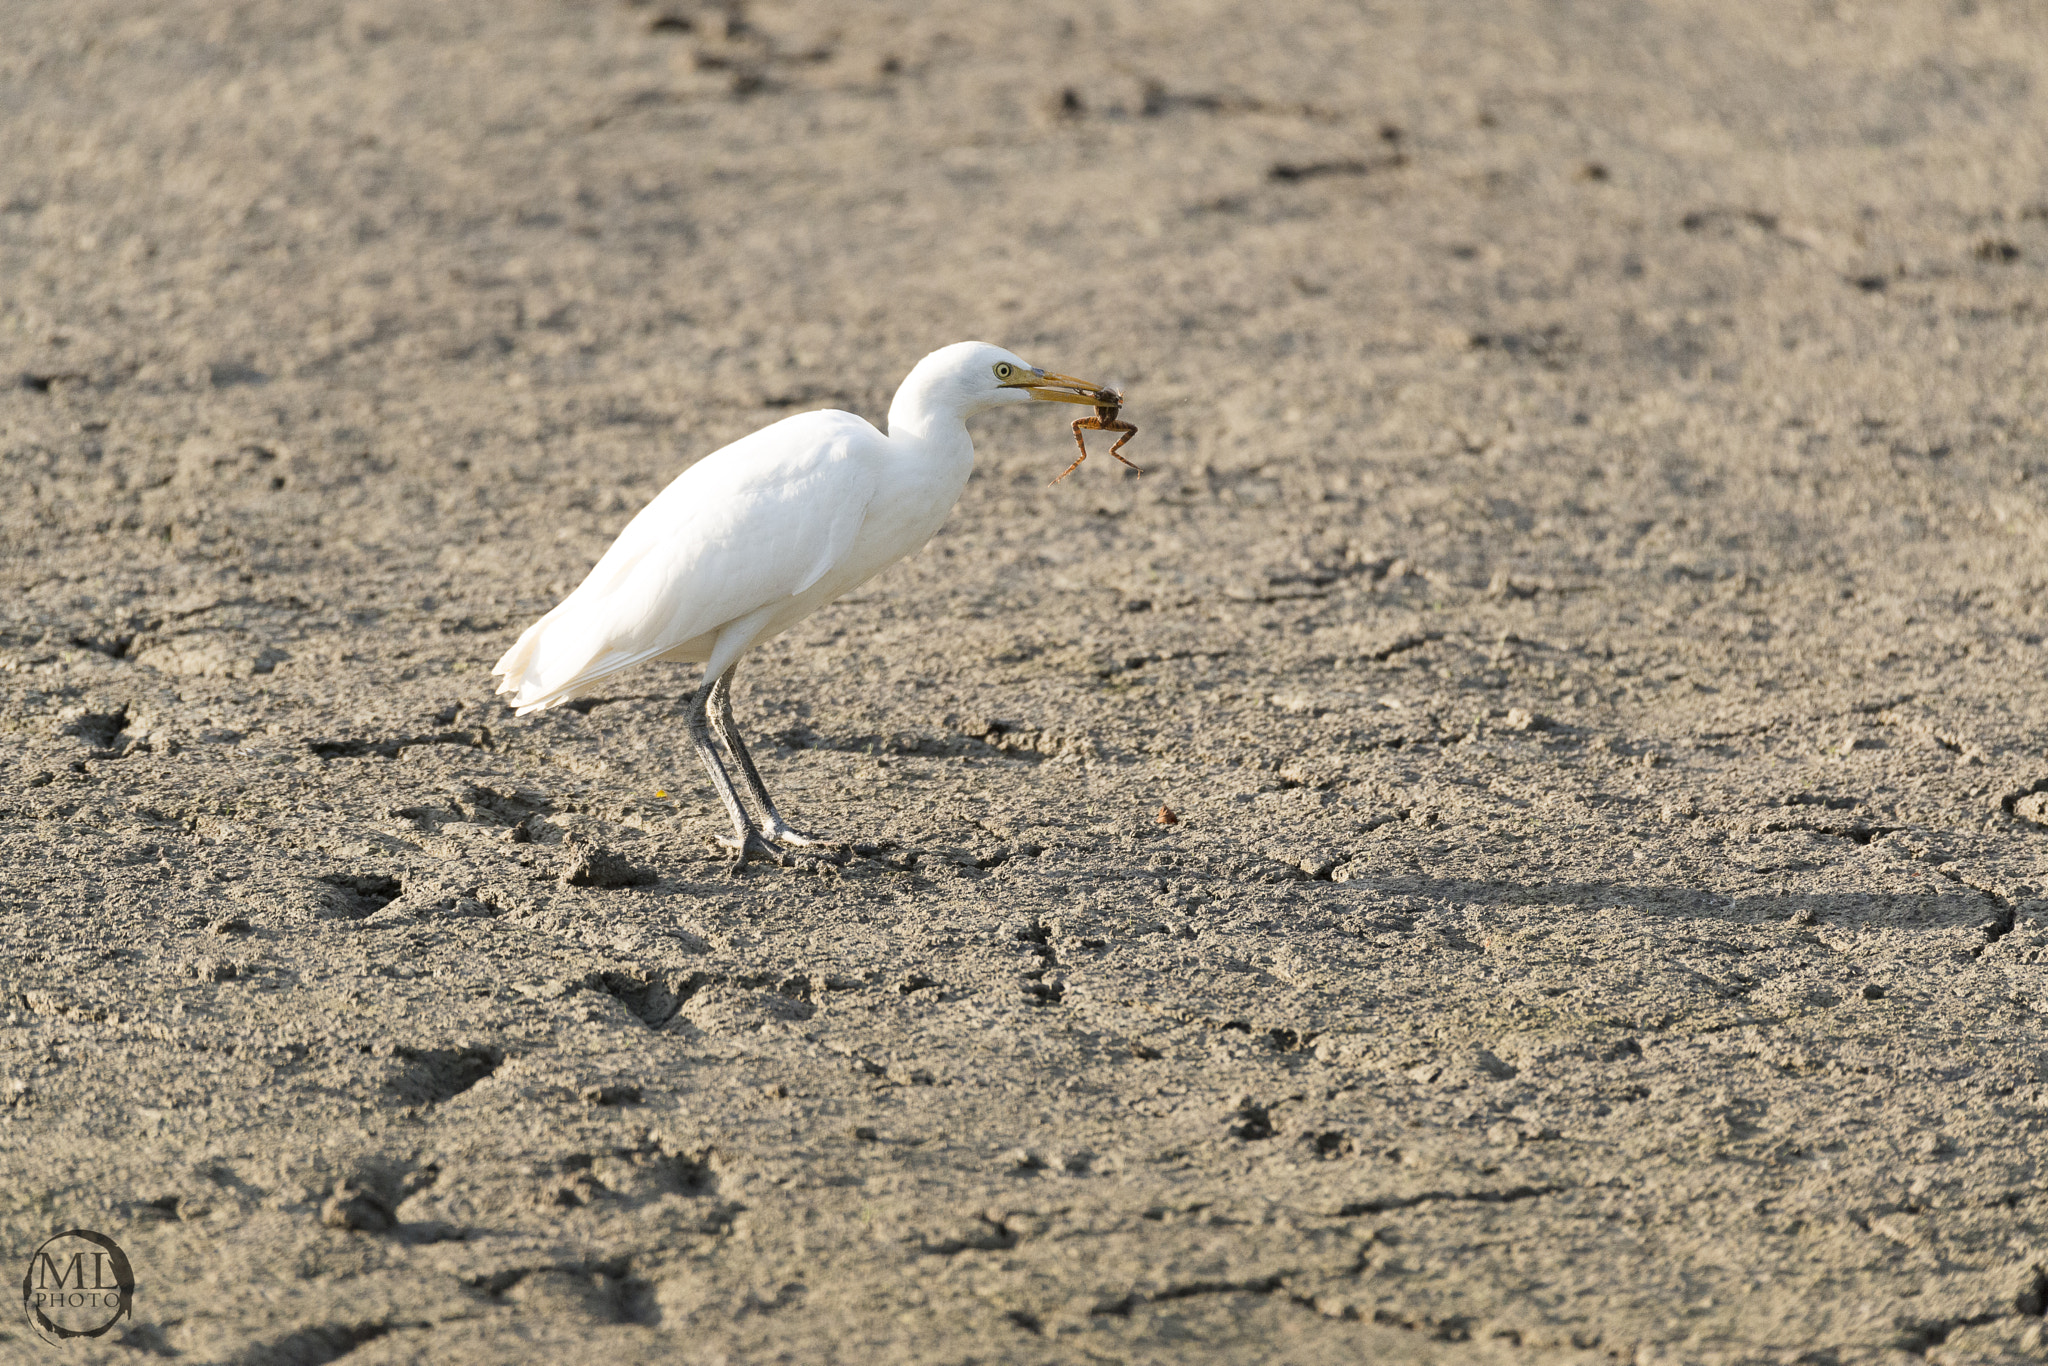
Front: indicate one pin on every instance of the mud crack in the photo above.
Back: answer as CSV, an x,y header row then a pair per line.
x,y
1403,645
1855,834
322,1343
1499,1197
2005,913
479,738
991,1236
1123,1306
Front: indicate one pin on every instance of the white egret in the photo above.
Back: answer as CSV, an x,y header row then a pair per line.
x,y
758,535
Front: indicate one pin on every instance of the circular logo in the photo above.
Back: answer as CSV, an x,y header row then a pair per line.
x,y
78,1285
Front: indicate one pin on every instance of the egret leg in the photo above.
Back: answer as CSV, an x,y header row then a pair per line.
x,y
747,841
776,828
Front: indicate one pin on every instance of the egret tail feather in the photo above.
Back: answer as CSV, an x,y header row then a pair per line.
x,y
538,677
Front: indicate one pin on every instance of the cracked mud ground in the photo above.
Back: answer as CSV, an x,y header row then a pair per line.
x,y
1583,606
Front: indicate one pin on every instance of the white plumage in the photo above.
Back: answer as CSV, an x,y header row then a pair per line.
x,y
759,534
754,525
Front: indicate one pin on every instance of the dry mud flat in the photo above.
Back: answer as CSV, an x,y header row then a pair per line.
x,y
1584,605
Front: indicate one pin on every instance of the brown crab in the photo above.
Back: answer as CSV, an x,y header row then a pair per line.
x,y
1108,402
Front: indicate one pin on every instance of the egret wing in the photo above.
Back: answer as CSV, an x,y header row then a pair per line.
x,y
749,525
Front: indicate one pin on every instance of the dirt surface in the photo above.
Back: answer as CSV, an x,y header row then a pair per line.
x,y
1584,607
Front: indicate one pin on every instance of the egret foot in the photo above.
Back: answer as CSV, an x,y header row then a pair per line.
x,y
757,846
784,833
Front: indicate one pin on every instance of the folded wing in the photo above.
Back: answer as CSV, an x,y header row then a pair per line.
x,y
751,524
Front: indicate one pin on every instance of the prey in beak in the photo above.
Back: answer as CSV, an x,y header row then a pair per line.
x,y
1107,403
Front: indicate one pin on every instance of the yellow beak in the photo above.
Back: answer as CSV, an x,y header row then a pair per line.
x,y
1058,388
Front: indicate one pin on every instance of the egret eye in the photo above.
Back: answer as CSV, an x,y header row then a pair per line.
x,y
1004,370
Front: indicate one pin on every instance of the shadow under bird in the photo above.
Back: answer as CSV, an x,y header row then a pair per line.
x,y
758,535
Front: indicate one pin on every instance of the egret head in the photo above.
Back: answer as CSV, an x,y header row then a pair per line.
x,y
1016,380
972,377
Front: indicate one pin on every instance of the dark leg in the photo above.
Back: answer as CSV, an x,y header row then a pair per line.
x,y
747,842
776,828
